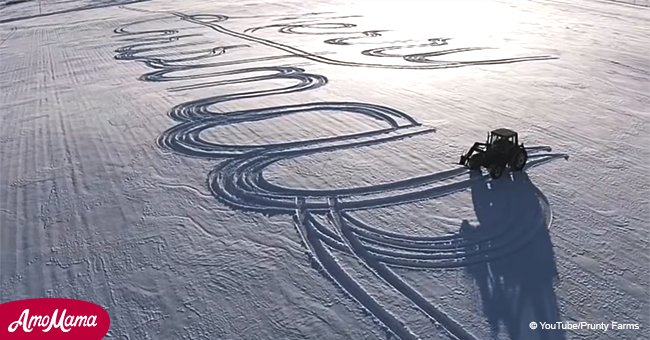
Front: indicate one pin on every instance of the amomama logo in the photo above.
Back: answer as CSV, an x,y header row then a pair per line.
x,y
53,318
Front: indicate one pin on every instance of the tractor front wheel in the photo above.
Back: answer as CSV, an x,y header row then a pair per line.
x,y
496,170
518,162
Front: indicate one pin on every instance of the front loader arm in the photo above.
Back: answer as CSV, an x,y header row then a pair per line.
x,y
477,147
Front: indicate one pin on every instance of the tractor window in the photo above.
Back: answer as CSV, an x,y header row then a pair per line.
x,y
501,141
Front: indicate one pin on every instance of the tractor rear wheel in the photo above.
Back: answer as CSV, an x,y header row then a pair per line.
x,y
496,170
519,160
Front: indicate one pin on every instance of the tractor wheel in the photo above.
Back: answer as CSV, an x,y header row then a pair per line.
x,y
518,162
496,170
475,162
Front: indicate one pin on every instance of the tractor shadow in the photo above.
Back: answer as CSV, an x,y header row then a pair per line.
x,y
518,288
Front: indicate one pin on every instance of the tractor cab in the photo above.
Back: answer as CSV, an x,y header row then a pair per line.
x,y
502,137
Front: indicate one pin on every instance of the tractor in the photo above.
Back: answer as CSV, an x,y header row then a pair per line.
x,y
500,150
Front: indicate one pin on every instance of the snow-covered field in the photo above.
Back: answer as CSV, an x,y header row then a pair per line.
x,y
267,169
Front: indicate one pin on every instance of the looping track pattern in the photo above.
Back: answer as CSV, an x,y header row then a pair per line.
x,y
422,58
238,180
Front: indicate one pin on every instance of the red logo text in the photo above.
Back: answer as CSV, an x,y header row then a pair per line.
x,y
53,318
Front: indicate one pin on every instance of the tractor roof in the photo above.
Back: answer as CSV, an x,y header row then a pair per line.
x,y
504,132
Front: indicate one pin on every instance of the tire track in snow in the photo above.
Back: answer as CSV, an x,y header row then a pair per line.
x,y
456,250
93,5
364,35
11,33
330,61
422,58
238,179
380,269
323,260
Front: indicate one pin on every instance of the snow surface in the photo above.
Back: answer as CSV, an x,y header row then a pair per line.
x,y
285,169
